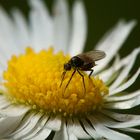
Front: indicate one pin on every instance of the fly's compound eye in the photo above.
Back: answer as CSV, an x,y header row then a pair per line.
x,y
67,66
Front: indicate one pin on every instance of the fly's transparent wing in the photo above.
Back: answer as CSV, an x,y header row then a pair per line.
x,y
92,56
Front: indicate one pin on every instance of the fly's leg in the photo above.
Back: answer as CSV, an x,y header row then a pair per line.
x,y
91,71
63,76
70,79
83,80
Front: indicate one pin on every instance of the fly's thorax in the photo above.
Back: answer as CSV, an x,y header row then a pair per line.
x,y
76,61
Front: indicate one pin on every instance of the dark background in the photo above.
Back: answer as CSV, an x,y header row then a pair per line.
x,y
102,15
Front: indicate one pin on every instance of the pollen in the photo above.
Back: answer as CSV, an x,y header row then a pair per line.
x,y
33,79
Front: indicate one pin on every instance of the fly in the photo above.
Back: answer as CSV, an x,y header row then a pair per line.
x,y
82,62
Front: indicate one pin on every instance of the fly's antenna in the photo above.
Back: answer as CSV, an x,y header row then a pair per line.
x,y
63,76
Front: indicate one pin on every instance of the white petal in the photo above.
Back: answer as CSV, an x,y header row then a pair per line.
x,y
3,61
74,127
124,73
90,130
4,104
133,130
42,135
127,84
26,130
118,64
108,73
118,116
72,137
1,78
6,39
14,110
123,97
37,130
61,26
41,25
111,43
62,134
79,29
134,121
2,98
137,102
8,125
108,133
7,35
122,125
24,123
54,124
22,30
123,104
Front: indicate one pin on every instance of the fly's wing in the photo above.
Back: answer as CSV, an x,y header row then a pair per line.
x,y
91,56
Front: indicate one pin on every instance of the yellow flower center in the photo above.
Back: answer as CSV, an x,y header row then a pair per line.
x,y
34,79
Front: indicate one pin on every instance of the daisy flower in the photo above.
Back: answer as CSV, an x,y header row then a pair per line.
x,y
33,106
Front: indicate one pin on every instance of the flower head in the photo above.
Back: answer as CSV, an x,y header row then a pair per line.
x,y
34,106
32,85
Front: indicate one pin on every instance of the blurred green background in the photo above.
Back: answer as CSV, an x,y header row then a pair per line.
x,y
102,15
